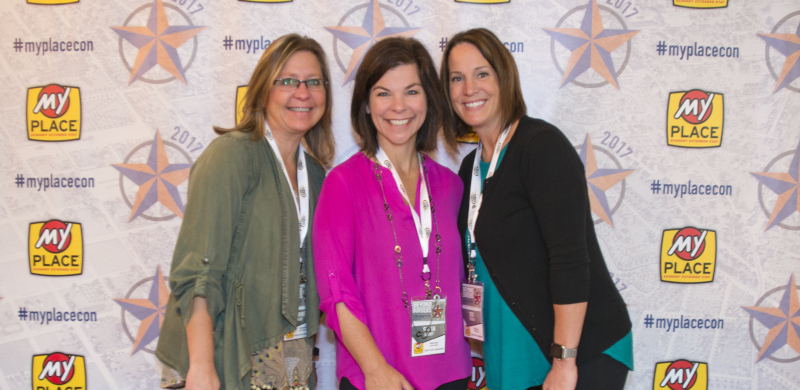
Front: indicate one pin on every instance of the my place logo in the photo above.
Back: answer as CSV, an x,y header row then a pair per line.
x,y
470,138
695,119
477,380
688,255
241,91
55,248
66,372
703,4
483,1
54,113
681,375
52,2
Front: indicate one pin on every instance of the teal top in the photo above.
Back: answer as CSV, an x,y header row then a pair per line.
x,y
513,360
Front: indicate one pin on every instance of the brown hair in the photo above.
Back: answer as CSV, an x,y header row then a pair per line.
x,y
511,101
319,139
382,57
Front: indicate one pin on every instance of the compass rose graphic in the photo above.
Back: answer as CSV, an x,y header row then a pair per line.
x,y
360,38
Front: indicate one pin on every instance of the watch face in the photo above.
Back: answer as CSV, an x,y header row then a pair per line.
x,y
557,351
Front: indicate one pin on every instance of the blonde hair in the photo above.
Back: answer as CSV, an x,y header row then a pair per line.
x,y
319,139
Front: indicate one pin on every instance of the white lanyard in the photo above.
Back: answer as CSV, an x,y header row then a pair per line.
x,y
423,226
476,193
302,184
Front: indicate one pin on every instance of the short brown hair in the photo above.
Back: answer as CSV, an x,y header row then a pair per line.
x,y
511,101
319,139
382,57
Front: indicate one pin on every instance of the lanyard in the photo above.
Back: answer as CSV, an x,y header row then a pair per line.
x,y
423,224
426,202
476,198
302,185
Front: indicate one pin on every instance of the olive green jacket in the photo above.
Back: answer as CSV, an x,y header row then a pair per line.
x,y
239,248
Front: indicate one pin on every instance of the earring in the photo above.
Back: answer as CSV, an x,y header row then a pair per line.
x,y
368,110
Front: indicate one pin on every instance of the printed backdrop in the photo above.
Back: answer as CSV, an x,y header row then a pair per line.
x,y
685,113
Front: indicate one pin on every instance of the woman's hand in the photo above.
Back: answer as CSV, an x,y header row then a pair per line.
x,y
385,377
563,375
202,378
378,375
568,327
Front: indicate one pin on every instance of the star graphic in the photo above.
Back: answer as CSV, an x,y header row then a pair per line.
x,y
158,43
360,39
149,311
787,186
591,46
783,322
600,181
788,45
437,312
158,180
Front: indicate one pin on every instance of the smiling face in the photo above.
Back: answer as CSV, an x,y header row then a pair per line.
x,y
296,109
397,106
474,88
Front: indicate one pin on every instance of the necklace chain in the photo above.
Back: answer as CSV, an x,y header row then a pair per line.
x,y
398,255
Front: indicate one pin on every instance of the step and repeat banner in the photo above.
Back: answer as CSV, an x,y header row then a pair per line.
x,y
686,114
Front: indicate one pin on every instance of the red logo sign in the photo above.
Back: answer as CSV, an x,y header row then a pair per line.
x,y
54,113
58,368
55,236
681,375
478,378
689,243
67,372
53,101
55,248
695,106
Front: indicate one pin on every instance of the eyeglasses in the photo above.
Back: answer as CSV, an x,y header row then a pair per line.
x,y
291,84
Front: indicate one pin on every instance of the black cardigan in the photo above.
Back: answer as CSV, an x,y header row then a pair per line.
x,y
536,236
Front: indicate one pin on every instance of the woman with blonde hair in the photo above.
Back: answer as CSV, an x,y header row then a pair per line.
x,y
243,308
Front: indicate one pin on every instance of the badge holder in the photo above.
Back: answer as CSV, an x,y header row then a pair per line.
x,y
428,325
472,302
472,309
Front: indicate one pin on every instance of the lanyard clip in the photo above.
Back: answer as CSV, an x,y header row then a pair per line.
x,y
473,255
471,273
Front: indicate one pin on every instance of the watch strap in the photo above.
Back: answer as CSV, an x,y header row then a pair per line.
x,y
559,351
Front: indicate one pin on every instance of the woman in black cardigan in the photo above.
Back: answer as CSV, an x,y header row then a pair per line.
x,y
553,316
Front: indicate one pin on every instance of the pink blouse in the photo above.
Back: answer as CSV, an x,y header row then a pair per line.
x,y
354,264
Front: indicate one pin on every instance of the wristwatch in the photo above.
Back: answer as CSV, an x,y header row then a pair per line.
x,y
559,351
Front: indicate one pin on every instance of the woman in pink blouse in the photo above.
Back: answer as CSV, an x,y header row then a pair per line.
x,y
377,259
